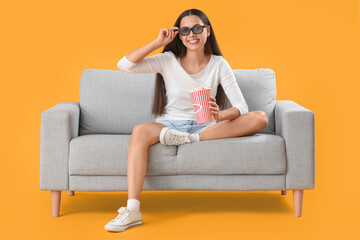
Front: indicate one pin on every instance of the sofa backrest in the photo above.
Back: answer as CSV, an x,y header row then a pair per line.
x,y
114,101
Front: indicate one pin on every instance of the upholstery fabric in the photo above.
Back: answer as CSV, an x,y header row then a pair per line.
x,y
59,124
244,182
296,125
106,154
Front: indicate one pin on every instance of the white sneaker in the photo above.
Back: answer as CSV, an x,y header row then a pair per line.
x,y
127,218
169,136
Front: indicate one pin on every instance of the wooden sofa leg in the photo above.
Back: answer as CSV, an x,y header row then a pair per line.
x,y
283,192
55,202
71,193
298,199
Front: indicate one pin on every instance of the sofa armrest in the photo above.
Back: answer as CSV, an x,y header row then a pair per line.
x,y
296,125
59,124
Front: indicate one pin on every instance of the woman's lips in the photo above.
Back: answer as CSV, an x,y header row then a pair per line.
x,y
197,40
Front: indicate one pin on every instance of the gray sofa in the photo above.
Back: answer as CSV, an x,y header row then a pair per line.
x,y
83,145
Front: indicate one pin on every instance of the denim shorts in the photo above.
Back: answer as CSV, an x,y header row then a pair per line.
x,y
189,126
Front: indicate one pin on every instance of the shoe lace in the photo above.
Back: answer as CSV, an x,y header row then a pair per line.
x,y
179,137
123,214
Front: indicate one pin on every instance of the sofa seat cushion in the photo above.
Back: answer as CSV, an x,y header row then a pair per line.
x,y
257,154
106,154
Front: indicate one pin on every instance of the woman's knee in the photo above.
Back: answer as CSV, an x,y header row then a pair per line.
x,y
146,133
261,120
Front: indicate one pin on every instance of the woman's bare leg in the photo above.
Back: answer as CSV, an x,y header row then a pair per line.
x,y
142,137
245,125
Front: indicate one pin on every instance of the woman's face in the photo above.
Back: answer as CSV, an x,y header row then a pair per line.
x,y
191,21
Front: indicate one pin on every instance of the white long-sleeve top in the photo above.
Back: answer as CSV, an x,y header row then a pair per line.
x,y
178,82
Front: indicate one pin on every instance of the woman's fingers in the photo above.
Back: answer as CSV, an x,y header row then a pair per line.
x,y
170,33
173,33
212,102
214,106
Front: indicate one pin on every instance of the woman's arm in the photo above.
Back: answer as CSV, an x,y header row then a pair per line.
x,y
135,61
232,90
137,55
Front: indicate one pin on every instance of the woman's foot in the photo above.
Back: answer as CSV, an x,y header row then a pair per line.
x,y
169,136
126,218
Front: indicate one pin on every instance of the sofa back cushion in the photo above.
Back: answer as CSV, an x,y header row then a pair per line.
x,y
114,101
259,89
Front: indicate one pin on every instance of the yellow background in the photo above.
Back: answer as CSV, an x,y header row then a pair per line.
x,y
313,47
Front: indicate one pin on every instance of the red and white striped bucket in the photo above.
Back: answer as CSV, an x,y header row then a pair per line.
x,y
201,106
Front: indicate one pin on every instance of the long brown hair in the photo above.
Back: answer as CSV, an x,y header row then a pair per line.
x,y
177,47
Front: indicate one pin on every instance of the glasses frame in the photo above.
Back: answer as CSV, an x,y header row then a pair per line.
x,y
192,29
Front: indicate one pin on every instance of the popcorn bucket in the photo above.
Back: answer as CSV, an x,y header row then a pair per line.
x,y
201,106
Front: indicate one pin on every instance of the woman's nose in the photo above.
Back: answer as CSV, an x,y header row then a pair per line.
x,y
192,33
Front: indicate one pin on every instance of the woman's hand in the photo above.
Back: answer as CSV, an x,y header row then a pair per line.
x,y
166,36
215,110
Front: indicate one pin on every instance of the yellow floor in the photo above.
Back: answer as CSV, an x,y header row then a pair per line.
x,y
181,214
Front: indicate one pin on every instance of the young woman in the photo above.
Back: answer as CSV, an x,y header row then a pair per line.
x,y
191,58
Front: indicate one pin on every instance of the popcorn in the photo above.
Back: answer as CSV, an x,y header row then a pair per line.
x,y
200,98
200,88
